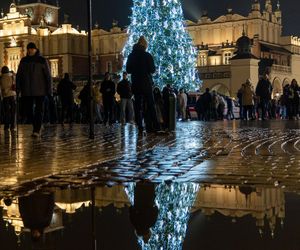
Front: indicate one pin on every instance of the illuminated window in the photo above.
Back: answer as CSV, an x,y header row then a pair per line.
x,y
14,58
54,67
203,60
227,57
109,67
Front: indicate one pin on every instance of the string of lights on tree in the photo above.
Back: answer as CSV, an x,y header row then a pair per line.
x,y
174,202
162,24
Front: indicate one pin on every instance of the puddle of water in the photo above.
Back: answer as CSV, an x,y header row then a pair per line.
x,y
152,216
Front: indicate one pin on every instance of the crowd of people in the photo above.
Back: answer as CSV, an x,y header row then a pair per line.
x,y
258,103
31,95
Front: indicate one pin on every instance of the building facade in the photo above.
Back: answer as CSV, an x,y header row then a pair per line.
x,y
216,41
64,46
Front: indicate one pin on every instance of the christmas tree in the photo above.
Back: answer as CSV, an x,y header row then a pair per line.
x,y
162,23
174,202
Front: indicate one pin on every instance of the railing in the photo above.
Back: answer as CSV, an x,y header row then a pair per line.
x,y
282,68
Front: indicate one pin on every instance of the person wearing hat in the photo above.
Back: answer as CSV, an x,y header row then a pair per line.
x,y
247,100
263,92
140,65
34,83
7,86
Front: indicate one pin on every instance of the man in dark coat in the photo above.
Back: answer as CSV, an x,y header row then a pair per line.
x,y
207,102
108,91
263,92
36,211
65,90
140,65
34,83
124,90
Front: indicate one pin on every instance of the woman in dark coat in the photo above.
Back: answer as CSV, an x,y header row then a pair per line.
x,y
140,65
65,90
108,91
143,214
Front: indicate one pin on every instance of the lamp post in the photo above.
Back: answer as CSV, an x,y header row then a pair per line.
x,y
90,73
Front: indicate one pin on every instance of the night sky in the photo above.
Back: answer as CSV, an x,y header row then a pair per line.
x,y
105,11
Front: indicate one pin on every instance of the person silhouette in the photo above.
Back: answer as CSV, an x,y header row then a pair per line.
x,y
36,212
144,212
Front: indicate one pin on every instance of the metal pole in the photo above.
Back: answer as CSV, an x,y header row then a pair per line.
x,y
92,125
94,238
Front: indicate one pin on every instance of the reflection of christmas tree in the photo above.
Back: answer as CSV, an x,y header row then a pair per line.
x,y
161,22
174,202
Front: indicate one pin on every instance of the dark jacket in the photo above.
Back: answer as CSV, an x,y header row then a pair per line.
x,y
140,65
34,77
84,95
108,90
124,89
65,91
264,89
206,100
37,210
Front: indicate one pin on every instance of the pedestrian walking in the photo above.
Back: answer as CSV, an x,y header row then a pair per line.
x,y
295,101
230,114
124,90
182,102
206,100
65,90
8,91
84,97
34,83
97,97
247,100
108,90
140,65
263,92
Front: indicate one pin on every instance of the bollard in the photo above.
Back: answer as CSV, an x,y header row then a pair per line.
x,y
172,111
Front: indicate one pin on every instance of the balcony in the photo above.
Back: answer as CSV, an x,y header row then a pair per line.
x,y
281,68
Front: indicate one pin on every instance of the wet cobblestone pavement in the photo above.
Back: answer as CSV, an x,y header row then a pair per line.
x,y
225,185
260,153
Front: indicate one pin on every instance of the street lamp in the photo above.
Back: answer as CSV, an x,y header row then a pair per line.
x,y
90,73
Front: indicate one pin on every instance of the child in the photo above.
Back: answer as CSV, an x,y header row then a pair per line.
x,y
7,85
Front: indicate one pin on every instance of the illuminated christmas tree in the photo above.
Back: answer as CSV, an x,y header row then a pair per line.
x,y
174,202
162,23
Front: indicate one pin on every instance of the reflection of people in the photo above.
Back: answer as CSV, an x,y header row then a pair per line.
x,y
143,214
36,211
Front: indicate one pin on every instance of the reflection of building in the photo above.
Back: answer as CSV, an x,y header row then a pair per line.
x,y
71,200
12,215
263,204
116,196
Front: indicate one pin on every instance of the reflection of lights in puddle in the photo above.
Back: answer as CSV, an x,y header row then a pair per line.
x,y
193,144
71,208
